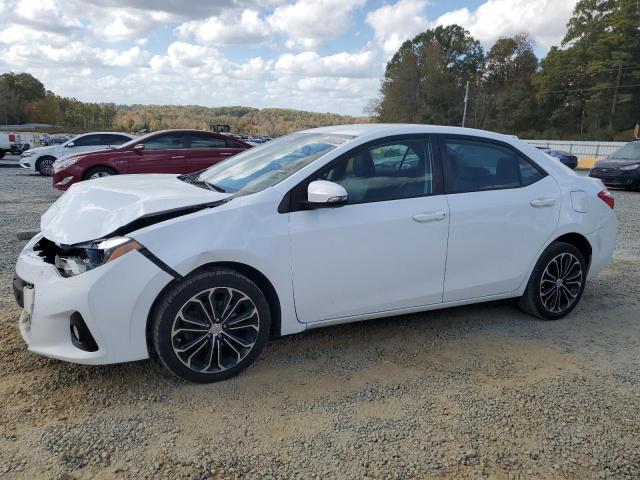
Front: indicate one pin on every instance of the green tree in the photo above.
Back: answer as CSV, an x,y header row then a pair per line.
x,y
424,81
587,87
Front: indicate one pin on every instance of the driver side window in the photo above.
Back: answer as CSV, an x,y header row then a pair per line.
x,y
386,171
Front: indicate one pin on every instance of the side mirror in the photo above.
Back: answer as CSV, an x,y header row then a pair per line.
x,y
322,193
69,145
139,147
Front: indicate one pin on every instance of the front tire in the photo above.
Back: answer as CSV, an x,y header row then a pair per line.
x,y
211,326
556,283
99,172
44,166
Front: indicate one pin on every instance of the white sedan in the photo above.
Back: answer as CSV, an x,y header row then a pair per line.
x,y
320,227
41,159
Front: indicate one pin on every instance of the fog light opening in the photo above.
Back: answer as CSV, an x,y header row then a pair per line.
x,y
80,335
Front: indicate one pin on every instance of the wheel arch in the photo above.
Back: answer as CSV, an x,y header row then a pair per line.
x,y
43,157
580,242
93,167
248,271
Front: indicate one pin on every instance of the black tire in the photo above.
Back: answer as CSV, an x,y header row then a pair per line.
x,y
538,300
2,153
212,332
97,172
44,166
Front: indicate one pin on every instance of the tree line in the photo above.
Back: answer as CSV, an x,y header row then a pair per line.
x,y
23,98
587,88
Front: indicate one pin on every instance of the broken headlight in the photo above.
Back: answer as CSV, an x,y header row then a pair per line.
x,y
87,256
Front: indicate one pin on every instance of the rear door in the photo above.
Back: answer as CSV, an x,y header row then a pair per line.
x,y
503,209
86,143
163,153
113,139
207,149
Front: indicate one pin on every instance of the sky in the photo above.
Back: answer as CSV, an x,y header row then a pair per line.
x,y
316,55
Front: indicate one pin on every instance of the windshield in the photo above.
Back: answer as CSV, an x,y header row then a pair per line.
x,y
262,167
631,151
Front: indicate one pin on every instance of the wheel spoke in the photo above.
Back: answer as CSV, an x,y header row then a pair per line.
x,y
239,341
190,344
191,321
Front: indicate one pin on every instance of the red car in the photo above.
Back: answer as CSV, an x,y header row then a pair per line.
x,y
168,151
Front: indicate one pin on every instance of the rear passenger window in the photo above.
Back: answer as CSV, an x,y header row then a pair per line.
x,y
472,166
528,173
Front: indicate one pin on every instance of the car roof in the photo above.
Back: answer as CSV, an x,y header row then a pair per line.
x,y
387,129
105,133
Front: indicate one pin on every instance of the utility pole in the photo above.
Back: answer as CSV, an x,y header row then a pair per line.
x,y
615,95
466,99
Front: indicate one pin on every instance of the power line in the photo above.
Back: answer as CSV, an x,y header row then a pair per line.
x,y
571,90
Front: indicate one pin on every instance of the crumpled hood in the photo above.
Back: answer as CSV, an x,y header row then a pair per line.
x,y
93,209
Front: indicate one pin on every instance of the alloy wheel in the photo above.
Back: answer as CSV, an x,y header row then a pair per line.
x,y
215,330
561,282
46,166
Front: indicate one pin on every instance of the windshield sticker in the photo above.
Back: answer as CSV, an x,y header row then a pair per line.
x,y
335,141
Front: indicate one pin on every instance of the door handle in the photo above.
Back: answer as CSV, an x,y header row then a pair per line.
x,y
429,217
177,156
225,153
543,202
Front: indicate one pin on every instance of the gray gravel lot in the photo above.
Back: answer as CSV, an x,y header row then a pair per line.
x,y
474,392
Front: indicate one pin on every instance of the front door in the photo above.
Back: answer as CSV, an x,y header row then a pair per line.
x,y
164,153
503,209
384,250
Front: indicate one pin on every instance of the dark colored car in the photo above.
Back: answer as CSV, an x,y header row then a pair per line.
x,y
621,168
168,151
566,158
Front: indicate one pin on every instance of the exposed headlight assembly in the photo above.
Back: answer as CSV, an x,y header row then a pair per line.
x,y
28,153
78,259
631,167
63,163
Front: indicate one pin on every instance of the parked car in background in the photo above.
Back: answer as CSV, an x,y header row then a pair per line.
x,y
41,159
621,168
316,228
11,143
168,151
566,158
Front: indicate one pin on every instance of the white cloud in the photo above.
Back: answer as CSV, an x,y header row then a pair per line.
x,y
352,65
246,28
45,15
544,20
308,23
393,24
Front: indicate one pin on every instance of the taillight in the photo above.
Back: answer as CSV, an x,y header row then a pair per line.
x,y
606,197
12,137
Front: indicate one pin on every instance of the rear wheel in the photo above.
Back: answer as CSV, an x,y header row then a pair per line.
x,y
556,283
44,166
2,152
211,326
99,172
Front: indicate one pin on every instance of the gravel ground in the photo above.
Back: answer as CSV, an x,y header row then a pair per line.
x,y
474,392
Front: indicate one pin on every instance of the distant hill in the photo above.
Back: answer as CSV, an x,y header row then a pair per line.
x,y
268,121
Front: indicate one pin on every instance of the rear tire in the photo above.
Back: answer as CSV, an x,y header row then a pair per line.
x,y
99,172
556,283
210,326
2,153
44,166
